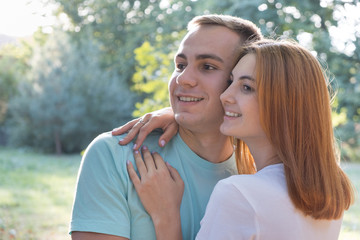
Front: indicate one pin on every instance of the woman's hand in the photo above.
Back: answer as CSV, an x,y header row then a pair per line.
x,y
160,189
163,118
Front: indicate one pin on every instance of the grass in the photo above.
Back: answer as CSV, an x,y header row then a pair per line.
x,y
350,229
36,194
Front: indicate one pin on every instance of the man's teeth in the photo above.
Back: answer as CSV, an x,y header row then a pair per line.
x,y
232,114
189,99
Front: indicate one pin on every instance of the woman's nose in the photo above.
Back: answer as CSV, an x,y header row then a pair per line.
x,y
227,96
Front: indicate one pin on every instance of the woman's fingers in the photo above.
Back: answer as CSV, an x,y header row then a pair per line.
x,y
159,187
133,132
175,175
143,132
148,160
159,162
169,132
124,128
133,175
140,164
142,127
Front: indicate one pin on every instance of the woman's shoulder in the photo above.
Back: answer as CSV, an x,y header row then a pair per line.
x,y
268,181
266,175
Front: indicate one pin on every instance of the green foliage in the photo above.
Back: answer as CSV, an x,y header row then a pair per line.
x,y
135,41
152,74
68,99
122,26
311,23
13,65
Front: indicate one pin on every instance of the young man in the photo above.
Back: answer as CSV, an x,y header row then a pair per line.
x,y
106,205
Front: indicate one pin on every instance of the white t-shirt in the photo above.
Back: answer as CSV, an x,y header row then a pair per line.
x,y
258,207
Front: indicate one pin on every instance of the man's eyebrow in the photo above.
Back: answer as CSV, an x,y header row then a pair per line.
x,y
201,56
211,56
246,77
180,55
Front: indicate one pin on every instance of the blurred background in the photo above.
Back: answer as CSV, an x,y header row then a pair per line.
x,y
71,69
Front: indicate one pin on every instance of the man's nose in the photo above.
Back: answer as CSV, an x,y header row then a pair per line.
x,y
187,77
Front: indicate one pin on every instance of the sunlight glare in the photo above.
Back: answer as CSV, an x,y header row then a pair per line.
x,y
20,18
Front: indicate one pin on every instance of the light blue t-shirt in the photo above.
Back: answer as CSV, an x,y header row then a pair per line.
x,y
106,200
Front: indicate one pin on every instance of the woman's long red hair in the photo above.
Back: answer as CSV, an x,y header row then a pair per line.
x,y
295,113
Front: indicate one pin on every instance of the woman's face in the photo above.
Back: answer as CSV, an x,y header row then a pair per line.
x,y
242,119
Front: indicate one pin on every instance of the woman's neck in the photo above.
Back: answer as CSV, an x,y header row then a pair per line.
x,y
263,152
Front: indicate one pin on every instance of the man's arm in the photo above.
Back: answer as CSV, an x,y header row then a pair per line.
x,y
94,236
100,204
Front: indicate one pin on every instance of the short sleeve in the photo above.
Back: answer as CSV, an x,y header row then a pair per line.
x,y
229,215
100,203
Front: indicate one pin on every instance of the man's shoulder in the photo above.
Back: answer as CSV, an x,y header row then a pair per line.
x,y
104,140
106,146
107,141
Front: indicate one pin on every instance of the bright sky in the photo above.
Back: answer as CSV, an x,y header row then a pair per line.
x,y
22,17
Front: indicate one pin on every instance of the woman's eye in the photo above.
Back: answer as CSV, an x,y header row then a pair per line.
x,y
246,88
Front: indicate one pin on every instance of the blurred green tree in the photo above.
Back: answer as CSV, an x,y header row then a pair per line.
x,y
13,66
153,70
122,26
136,39
316,25
68,98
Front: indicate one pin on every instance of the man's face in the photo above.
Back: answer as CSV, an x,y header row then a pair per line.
x,y
202,67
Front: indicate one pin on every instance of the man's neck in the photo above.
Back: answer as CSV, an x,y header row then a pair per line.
x,y
212,146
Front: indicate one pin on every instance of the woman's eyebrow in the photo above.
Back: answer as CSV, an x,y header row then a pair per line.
x,y
246,77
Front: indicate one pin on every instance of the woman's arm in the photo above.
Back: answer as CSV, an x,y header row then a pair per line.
x,y
163,118
160,189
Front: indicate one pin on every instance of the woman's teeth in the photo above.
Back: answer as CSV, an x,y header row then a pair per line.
x,y
232,114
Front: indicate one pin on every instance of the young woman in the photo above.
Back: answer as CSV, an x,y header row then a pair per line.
x,y
277,107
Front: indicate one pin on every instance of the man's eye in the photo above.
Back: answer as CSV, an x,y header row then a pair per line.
x,y
229,81
180,66
208,67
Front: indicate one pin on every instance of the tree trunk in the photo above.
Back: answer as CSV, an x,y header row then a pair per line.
x,y
57,143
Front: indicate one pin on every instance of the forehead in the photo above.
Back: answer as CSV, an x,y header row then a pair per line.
x,y
245,66
211,40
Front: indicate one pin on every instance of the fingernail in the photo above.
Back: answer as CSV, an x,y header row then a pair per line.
x,y
127,162
134,147
144,147
162,142
136,152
